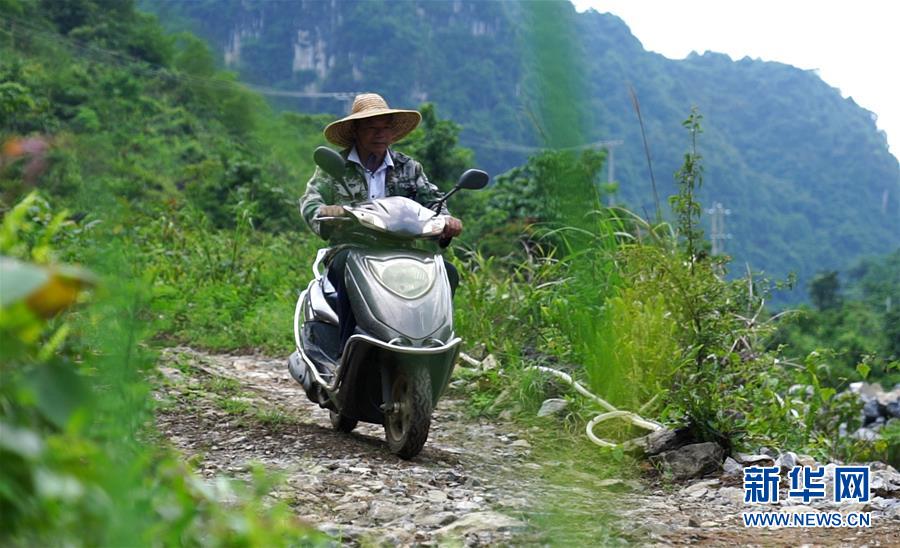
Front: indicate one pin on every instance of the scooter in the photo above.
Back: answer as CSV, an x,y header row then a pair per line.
x,y
397,363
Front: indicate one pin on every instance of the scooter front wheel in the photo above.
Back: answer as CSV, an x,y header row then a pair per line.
x,y
406,425
342,423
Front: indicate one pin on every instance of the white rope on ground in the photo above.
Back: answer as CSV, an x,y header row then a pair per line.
x,y
578,387
612,413
469,359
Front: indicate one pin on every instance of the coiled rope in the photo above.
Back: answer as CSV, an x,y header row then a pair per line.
x,y
612,411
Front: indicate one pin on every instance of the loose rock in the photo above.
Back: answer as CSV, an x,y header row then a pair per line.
x,y
662,440
893,409
885,483
489,362
786,461
437,496
755,460
691,461
553,407
732,468
865,434
436,520
480,522
618,485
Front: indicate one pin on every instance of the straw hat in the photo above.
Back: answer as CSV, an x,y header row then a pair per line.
x,y
368,105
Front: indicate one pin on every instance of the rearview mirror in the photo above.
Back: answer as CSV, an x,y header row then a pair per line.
x,y
473,179
331,162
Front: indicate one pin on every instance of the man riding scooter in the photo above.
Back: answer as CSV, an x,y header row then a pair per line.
x,y
374,337
376,171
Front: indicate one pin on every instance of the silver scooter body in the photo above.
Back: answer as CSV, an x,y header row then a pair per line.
x,y
398,362
401,299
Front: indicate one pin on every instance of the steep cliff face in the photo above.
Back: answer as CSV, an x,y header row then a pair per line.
x,y
316,46
462,55
808,177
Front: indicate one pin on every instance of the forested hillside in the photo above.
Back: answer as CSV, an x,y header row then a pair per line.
x,y
807,177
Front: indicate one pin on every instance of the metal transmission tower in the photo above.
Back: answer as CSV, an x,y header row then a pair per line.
x,y
610,165
717,213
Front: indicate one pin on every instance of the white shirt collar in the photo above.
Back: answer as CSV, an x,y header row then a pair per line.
x,y
354,157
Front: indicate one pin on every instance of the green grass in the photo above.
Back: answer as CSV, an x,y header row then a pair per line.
x,y
233,406
223,386
271,417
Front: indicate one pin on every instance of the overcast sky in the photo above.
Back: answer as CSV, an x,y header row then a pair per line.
x,y
854,46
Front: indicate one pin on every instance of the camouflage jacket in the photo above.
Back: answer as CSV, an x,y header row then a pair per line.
x,y
406,178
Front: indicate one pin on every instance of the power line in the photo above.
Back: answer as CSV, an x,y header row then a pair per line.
x,y
339,95
608,144
514,147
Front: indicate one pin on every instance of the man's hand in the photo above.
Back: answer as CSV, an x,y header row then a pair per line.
x,y
331,211
452,227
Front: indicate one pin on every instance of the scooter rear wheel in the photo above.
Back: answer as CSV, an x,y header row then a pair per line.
x,y
342,423
406,425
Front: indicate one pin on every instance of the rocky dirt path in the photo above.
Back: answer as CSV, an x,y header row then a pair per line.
x,y
475,483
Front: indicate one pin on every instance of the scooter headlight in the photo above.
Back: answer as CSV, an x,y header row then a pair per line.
x,y
407,278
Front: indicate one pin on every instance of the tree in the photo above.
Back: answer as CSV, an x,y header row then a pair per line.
x,y
555,186
194,57
824,291
435,144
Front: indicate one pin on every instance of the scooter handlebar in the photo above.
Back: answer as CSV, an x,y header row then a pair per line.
x,y
342,218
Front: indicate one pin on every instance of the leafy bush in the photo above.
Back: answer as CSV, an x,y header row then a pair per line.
x,y
76,409
244,282
859,322
647,314
553,188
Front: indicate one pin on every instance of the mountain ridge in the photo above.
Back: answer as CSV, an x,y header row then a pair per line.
x,y
779,146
